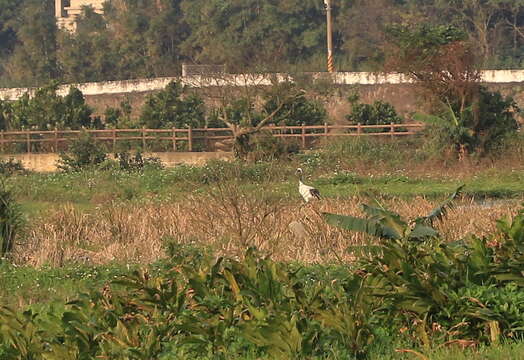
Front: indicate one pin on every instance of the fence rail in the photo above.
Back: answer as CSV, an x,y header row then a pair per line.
x,y
187,139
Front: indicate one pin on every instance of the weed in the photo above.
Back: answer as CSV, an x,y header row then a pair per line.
x,y
11,221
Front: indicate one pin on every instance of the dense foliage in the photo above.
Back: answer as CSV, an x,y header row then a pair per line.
x,y
167,109
470,118
378,113
441,291
411,283
11,221
83,152
137,39
47,110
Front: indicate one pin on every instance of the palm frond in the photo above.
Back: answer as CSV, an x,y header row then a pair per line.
x,y
429,119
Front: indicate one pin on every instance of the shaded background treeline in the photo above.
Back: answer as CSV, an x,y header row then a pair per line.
x,y
146,38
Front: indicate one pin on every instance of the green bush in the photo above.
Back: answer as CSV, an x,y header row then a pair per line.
x,y
46,111
480,128
137,162
120,118
443,291
11,167
11,221
170,108
378,113
82,153
295,113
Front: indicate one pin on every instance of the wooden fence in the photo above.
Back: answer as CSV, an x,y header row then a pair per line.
x,y
188,139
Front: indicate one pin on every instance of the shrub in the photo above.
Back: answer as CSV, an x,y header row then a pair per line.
x,y
82,153
170,108
46,110
378,113
266,147
11,221
120,118
481,127
294,113
11,166
128,162
467,290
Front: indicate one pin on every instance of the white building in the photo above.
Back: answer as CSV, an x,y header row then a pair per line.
x,y
68,11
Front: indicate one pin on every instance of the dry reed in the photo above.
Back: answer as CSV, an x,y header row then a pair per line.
x,y
228,220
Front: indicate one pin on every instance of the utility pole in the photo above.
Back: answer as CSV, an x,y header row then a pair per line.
x,y
330,65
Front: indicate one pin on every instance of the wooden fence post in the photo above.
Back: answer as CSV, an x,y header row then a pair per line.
x,y
359,129
56,139
206,146
174,138
326,130
392,130
303,136
114,140
143,138
3,140
28,137
190,138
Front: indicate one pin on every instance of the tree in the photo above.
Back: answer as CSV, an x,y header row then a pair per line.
x,y
300,110
33,61
236,106
361,24
480,18
8,11
88,54
513,16
46,110
5,114
252,33
441,60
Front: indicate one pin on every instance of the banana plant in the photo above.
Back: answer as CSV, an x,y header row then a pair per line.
x,y
385,224
509,250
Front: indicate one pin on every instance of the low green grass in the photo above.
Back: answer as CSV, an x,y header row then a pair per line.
x,y
25,285
505,351
39,192
343,168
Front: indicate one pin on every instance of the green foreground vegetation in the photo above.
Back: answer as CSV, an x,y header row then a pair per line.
x,y
409,294
409,291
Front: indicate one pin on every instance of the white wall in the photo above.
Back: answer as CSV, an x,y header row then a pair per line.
x,y
341,78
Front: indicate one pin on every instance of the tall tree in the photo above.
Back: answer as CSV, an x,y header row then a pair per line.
x,y
263,34
34,57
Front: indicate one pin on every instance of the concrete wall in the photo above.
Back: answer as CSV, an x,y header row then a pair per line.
x,y
393,88
341,78
47,162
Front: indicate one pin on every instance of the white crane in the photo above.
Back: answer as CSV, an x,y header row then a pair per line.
x,y
308,192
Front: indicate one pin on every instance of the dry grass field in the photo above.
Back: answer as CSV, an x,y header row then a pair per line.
x,y
229,220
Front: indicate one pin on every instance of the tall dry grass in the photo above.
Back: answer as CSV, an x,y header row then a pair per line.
x,y
228,220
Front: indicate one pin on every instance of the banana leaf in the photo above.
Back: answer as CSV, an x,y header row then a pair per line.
x,y
422,232
368,226
440,211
